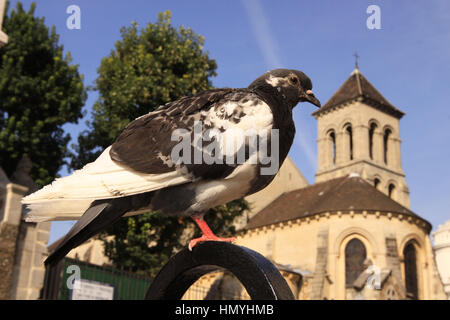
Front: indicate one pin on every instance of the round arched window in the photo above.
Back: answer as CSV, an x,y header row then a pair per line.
x,y
355,254
391,191
376,183
386,136
372,129
332,146
349,133
410,261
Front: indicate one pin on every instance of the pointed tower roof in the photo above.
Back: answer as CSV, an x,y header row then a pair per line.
x,y
357,87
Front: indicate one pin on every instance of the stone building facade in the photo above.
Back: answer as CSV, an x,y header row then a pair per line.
x,y
442,251
22,244
10,214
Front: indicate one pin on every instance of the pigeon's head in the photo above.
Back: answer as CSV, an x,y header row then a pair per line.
x,y
292,86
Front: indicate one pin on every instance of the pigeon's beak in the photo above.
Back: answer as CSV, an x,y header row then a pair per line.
x,y
311,98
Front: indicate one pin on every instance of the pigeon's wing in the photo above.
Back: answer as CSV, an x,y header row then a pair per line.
x,y
146,144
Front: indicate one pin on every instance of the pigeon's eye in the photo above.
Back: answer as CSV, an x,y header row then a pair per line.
x,y
293,80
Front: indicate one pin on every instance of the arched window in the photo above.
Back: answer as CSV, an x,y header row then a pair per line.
x,y
332,146
349,134
409,254
391,191
387,133
373,127
355,254
376,183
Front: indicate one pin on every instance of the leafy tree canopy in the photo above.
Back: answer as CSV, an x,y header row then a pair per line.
x,y
40,91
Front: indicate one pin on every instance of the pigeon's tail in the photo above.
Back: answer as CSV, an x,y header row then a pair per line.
x,y
55,210
69,197
98,216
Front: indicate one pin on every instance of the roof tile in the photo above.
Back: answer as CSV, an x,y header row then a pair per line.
x,y
340,194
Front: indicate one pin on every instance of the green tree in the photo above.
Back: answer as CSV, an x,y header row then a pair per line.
x,y
40,91
146,69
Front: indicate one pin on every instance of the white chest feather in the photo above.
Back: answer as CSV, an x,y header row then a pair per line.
x,y
252,114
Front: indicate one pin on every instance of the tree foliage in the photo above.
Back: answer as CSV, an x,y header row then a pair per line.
x,y
146,69
40,91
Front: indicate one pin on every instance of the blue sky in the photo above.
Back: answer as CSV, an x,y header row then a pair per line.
x,y
407,60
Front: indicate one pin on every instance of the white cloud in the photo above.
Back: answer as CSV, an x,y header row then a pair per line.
x,y
261,29
270,51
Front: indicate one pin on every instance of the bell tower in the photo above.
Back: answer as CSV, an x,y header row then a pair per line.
x,y
359,132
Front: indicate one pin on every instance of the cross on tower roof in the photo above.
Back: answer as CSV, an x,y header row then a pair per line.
x,y
356,59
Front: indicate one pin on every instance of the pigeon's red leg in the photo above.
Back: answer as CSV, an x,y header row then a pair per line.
x,y
207,234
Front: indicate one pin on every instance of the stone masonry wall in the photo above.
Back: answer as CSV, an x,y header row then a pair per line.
x,y
8,237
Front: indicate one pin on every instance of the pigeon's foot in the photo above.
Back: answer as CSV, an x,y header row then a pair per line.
x,y
208,235
196,241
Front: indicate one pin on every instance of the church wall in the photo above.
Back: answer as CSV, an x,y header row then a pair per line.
x,y
372,230
91,251
287,243
295,243
29,269
10,213
442,253
22,244
287,179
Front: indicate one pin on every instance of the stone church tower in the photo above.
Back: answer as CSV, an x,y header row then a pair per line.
x,y
358,131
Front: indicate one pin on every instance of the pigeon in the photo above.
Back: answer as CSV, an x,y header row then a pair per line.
x,y
179,160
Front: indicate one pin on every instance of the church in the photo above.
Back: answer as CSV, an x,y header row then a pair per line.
x,y
351,234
